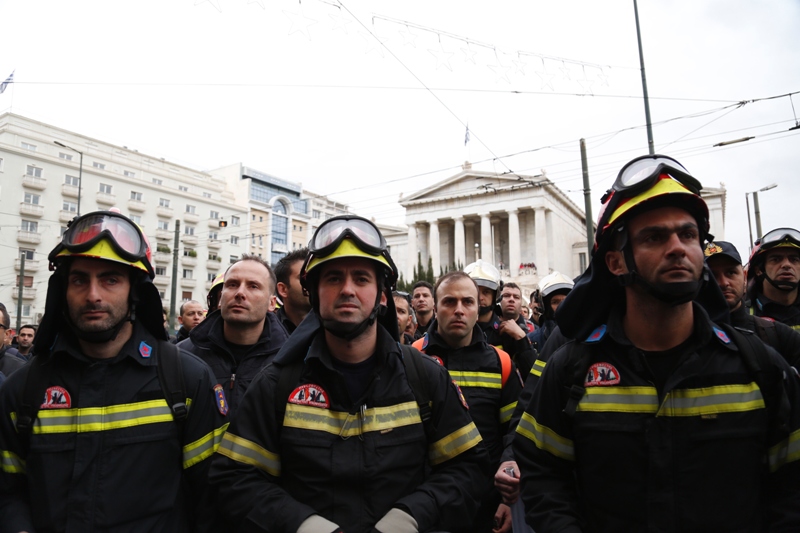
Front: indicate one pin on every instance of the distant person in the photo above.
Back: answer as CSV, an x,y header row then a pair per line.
x,y
10,358
191,313
212,298
422,302
773,275
25,340
554,289
402,305
295,303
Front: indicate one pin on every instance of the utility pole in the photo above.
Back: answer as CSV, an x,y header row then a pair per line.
x,y
174,294
20,289
650,144
587,199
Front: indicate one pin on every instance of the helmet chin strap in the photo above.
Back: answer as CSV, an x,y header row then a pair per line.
x,y
349,332
100,337
785,286
675,293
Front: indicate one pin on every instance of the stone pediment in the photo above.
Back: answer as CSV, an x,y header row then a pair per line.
x,y
470,183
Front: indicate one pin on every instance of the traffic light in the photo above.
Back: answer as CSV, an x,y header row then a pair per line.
x,y
223,223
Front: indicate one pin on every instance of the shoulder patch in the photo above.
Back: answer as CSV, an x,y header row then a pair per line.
x,y
424,343
767,318
145,350
721,335
56,398
460,395
602,375
437,359
222,402
598,333
310,394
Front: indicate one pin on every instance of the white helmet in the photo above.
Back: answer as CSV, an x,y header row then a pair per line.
x,y
550,285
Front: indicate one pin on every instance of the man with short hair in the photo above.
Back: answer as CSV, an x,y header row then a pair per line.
x,y
403,309
654,390
295,303
10,358
243,336
25,340
487,376
422,302
776,261
190,314
109,445
333,436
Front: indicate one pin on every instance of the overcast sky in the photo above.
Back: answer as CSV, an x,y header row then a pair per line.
x,y
364,100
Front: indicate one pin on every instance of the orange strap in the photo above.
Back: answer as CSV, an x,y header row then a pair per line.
x,y
418,344
505,359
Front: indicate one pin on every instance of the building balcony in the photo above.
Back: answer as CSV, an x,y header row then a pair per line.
x,y
31,210
69,190
212,265
208,285
214,244
32,182
166,212
66,216
213,222
161,281
164,235
191,218
189,239
188,260
188,283
106,199
31,265
28,293
136,205
30,237
162,257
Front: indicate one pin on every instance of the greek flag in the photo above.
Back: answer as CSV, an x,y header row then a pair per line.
x,y
9,79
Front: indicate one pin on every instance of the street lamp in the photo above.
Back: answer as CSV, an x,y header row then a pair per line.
x,y
80,171
757,212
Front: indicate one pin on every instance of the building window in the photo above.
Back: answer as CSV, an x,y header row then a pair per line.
x,y
71,180
106,188
277,256
30,225
316,214
254,218
188,273
213,235
163,225
70,207
234,239
32,198
189,252
582,261
190,209
161,271
158,181
28,146
62,231
136,196
101,166
31,170
234,258
188,230
137,219
210,276
27,253
234,221
183,188
186,295
280,224
260,241
214,215
67,157
206,195
26,310
129,174
163,202
261,219
27,282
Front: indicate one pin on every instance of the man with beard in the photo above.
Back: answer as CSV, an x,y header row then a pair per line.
x,y
25,340
241,337
333,436
295,303
773,274
110,448
655,417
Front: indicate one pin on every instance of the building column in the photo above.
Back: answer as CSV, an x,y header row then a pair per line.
x,y
434,246
514,258
412,252
540,224
460,243
486,238
469,232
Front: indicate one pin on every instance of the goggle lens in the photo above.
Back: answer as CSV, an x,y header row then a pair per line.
x,y
642,169
333,231
88,230
780,234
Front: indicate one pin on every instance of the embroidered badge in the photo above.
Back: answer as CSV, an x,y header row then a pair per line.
x,y
437,359
602,375
222,402
56,398
712,249
721,335
310,394
145,350
460,395
597,334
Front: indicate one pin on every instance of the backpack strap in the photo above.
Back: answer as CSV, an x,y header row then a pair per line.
x,y
766,331
170,377
505,364
419,381
287,381
33,392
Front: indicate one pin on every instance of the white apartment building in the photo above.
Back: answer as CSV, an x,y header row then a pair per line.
x,y
43,186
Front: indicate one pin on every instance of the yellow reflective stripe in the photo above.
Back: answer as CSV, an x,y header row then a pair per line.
x,y
538,367
786,451
11,462
203,447
348,425
619,400
796,326
712,400
454,444
545,438
88,419
248,452
506,412
486,380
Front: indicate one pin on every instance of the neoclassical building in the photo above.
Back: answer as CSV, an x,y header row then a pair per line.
x,y
507,219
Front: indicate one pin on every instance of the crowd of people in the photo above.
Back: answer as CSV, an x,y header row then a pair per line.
x,y
656,391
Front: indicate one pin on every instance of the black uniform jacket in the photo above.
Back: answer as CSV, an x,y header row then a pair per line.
x,y
786,314
703,454
105,453
786,340
10,360
520,350
349,461
207,342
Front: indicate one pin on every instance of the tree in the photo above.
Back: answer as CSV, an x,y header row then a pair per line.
x,y
429,277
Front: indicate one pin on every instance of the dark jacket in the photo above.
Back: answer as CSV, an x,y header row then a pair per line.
x,y
182,335
207,341
350,462
786,314
784,339
520,350
10,360
706,453
105,453
283,318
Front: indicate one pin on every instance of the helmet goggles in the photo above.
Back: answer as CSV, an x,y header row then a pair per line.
x,y
330,235
780,237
